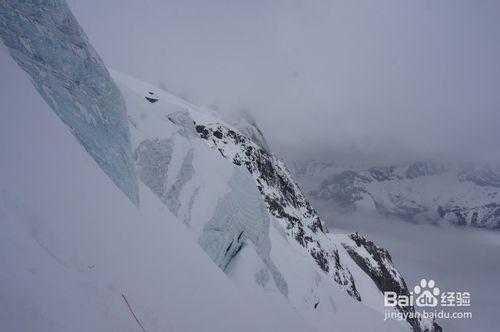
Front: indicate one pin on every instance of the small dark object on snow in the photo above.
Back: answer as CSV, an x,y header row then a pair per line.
x,y
152,100
316,305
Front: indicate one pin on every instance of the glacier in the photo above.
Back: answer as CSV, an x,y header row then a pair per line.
x,y
47,42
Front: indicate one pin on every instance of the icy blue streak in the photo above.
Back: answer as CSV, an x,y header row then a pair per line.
x,y
47,42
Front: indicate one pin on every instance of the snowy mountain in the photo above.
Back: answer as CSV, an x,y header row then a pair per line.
x,y
243,207
463,195
212,232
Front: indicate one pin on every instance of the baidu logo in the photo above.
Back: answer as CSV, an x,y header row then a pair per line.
x,y
425,298
427,293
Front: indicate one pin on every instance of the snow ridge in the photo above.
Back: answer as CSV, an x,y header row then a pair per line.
x,y
283,199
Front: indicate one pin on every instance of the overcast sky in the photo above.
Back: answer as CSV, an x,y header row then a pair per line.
x,y
391,78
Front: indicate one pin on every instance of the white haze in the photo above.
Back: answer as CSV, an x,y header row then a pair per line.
x,y
393,79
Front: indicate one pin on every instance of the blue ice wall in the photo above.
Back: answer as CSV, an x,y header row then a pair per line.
x,y
47,42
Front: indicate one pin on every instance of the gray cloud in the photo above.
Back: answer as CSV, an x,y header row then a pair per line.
x,y
389,78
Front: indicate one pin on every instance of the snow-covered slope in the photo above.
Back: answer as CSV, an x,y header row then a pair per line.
x,y
78,255
74,250
419,191
243,207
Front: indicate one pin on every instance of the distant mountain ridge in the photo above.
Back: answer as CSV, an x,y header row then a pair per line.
x,y
465,195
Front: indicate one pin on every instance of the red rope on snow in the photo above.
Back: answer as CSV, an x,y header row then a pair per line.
x,y
133,314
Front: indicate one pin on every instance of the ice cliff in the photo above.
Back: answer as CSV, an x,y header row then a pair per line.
x,y
47,42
